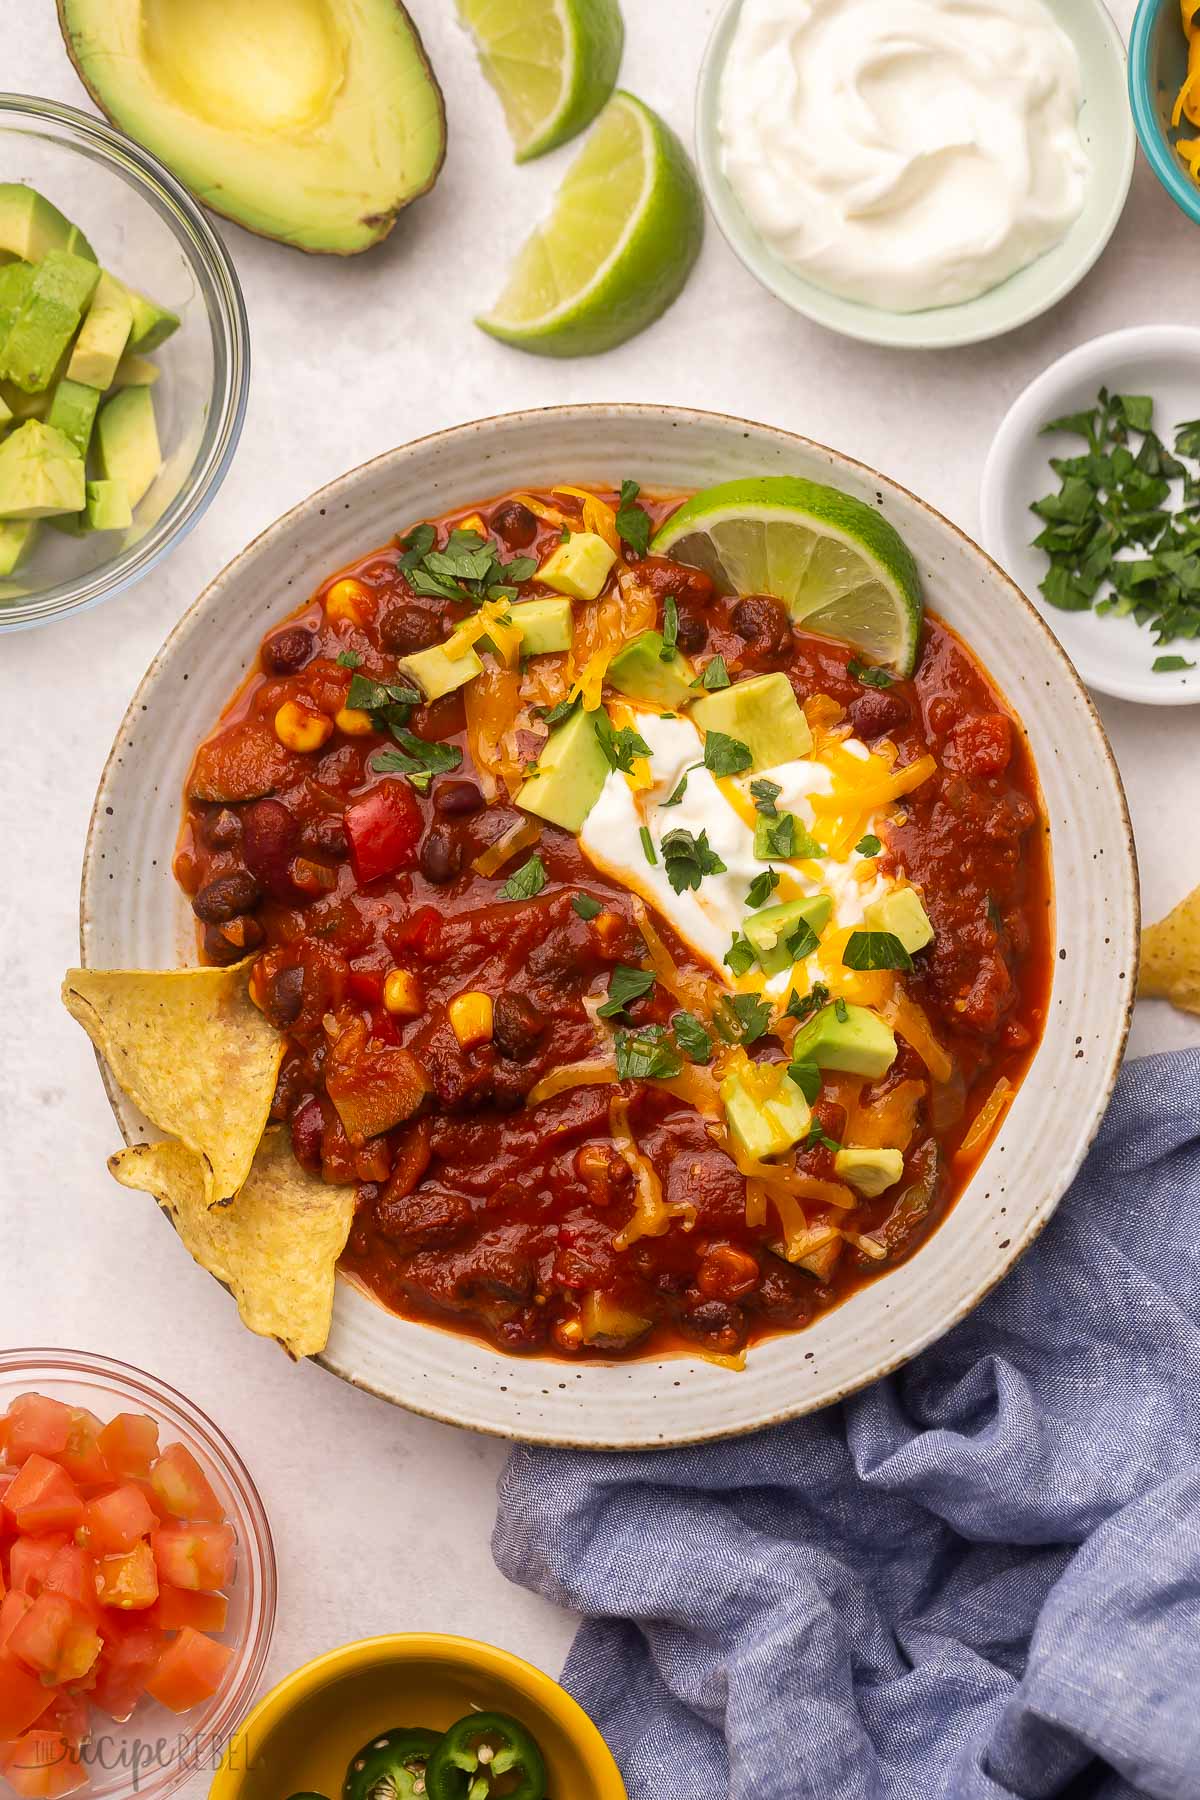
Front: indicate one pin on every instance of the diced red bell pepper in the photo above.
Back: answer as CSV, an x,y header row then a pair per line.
x,y
22,1697
56,1639
37,1426
129,1582
176,1607
43,1497
189,1670
383,830
30,1561
129,1444
198,1557
130,1653
183,1488
41,1765
114,1522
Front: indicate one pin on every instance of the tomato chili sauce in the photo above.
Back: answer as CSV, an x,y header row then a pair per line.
x,y
500,1219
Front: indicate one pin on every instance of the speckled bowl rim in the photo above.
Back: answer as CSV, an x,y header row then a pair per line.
x,y
919,1340
1156,145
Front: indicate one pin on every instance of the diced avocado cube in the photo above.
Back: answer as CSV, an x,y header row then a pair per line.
x,y
870,1171
901,913
135,371
107,509
16,539
30,226
762,713
47,320
579,567
639,671
41,473
570,773
73,409
858,1043
102,336
22,405
63,276
152,324
127,441
773,844
16,279
765,1110
435,673
771,931
5,413
546,625
78,245
606,1322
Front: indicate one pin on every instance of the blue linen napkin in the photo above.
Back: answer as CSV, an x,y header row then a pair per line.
x,y
978,1580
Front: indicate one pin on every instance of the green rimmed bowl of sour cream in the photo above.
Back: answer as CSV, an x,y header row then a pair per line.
x,y
1105,130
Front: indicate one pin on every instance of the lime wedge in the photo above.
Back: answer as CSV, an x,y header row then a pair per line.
x,y
616,250
553,63
838,566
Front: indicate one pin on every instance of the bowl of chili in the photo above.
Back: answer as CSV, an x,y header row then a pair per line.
x,y
1021,845
417,1706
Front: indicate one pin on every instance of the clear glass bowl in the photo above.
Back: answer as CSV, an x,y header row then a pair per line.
x,y
156,1751
149,231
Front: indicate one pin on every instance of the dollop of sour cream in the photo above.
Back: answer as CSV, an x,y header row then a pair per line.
x,y
904,153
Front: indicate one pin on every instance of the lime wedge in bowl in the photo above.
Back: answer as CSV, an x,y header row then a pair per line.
x,y
553,63
619,245
837,565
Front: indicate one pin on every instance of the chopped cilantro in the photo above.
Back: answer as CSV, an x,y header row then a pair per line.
x,y
714,675
840,1012
868,676
646,1055
680,788
691,1037
416,546
556,714
633,522
812,1002
725,755
648,847
765,793
415,759
820,1140
1170,665
807,1078
688,859
802,942
624,985
761,888
743,1018
875,950
784,838
869,845
349,659
468,569
585,907
670,630
528,880
620,747
740,954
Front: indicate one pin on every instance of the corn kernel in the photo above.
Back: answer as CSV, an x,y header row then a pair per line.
x,y
473,522
344,600
299,729
471,1018
353,721
402,993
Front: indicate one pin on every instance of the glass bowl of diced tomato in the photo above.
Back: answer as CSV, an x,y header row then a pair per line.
x,y
137,1581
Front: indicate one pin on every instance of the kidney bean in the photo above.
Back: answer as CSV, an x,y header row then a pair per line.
x,y
308,1129
456,799
406,628
877,711
517,1027
221,830
765,625
515,524
268,843
288,650
225,896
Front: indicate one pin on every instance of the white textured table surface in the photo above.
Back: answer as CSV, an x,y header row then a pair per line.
x,y
382,1520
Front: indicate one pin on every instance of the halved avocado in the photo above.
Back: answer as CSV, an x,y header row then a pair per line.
x,y
311,121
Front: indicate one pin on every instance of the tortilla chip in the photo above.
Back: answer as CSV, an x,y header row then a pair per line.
x,y
190,1049
274,1247
1171,956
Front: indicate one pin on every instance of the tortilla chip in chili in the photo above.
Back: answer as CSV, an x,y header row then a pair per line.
x,y
191,1049
1171,956
274,1246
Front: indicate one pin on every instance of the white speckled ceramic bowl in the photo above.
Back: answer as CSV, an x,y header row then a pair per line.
x,y
133,914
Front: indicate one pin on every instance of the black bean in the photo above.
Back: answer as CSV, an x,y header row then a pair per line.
x,y
324,837
455,799
288,650
441,857
225,896
221,829
693,633
218,949
763,623
517,1027
877,711
283,996
515,524
406,628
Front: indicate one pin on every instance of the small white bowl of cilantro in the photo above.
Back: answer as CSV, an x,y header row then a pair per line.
x,y
1091,501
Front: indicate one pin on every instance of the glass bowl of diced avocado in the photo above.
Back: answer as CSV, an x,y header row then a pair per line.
x,y
124,361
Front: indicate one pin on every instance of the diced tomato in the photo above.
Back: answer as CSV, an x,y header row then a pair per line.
x,y
71,1714
83,1458
366,985
43,1497
980,745
176,1607
13,1608
56,1638
421,933
114,1522
41,1765
22,1697
124,1665
129,1444
37,1427
183,1487
383,829
130,1581
194,1556
30,1561
72,1572
5,1428
189,1670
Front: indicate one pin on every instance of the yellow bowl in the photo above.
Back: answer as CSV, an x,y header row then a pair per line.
x,y
301,1737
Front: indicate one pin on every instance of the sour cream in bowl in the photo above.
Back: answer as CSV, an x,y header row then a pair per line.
x,y
916,172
